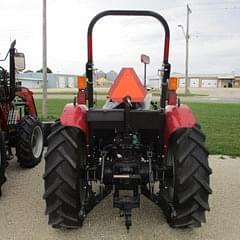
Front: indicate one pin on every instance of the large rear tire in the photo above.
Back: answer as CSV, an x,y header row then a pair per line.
x,y
187,183
2,161
29,146
65,158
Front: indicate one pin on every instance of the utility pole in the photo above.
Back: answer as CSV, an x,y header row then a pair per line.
x,y
187,48
186,35
44,59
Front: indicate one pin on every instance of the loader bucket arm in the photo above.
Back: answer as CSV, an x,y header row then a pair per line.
x,y
166,65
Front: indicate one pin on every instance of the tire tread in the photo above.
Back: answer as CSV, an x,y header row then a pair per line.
x,y
63,154
23,148
192,178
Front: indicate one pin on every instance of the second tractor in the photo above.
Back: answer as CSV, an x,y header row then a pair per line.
x,y
19,125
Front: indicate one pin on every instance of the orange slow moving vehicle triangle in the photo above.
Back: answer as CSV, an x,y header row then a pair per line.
x,y
127,84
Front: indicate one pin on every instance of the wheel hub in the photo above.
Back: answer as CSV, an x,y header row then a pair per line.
x,y
37,141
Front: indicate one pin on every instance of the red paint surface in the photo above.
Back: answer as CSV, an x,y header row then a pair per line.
x,y
90,48
27,96
4,110
81,97
74,116
166,49
176,118
172,98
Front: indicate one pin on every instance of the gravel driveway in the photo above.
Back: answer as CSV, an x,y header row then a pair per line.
x,y
22,211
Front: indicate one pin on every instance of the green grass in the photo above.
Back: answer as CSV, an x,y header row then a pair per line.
x,y
220,122
55,107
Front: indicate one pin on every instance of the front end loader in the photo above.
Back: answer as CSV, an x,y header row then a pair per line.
x,y
130,147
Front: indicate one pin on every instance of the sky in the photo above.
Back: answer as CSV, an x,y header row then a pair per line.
x,y
118,42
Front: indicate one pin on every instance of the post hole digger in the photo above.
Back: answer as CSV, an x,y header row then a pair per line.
x,y
19,126
128,148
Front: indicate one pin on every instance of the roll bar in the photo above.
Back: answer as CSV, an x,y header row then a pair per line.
x,y
89,65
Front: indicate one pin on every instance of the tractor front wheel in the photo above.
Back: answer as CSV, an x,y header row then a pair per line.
x,y
64,186
187,181
29,146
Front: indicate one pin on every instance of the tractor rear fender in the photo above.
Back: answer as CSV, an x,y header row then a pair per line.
x,y
176,118
75,116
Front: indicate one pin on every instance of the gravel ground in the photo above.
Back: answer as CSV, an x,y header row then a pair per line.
x,y
22,211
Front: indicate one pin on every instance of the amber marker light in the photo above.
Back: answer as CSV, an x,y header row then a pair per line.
x,y
81,82
172,83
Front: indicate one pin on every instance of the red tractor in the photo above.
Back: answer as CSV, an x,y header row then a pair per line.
x,y
130,147
19,126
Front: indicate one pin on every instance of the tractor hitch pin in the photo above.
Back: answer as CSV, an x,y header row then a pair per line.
x,y
127,101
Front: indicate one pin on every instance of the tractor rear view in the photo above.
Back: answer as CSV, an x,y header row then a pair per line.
x,y
19,126
130,147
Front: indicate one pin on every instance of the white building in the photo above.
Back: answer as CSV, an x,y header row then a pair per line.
x,y
34,80
201,80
